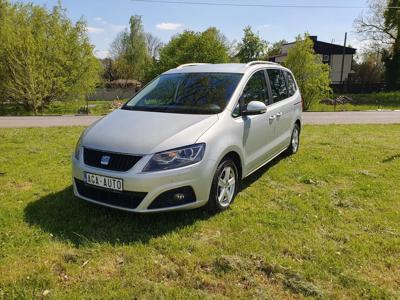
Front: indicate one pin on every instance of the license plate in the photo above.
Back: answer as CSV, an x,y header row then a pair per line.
x,y
104,181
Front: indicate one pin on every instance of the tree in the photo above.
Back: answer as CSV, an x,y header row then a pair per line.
x,y
392,56
44,57
276,48
311,74
130,52
381,26
153,45
109,72
205,47
252,47
370,69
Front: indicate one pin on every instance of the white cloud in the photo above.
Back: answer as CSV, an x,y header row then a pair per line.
x,y
263,26
111,26
102,53
168,26
117,28
95,29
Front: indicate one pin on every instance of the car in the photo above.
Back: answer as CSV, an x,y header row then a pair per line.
x,y
188,138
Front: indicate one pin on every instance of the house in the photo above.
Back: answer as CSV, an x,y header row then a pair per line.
x,y
331,54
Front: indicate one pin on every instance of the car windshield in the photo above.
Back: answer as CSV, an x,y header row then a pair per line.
x,y
188,93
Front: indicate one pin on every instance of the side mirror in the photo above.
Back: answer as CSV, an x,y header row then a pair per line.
x,y
254,108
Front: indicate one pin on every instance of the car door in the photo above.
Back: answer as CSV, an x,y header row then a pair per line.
x,y
293,106
281,108
258,130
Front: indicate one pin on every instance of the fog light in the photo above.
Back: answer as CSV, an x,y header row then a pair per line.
x,y
179,197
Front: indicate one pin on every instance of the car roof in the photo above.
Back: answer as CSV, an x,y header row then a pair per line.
x,y
222,68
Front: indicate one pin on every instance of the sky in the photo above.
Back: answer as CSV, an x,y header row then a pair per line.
x,y
106,18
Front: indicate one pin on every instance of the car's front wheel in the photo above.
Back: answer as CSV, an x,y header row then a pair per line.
x,y
224,186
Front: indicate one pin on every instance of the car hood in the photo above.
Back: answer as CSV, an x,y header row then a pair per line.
x,y
142,132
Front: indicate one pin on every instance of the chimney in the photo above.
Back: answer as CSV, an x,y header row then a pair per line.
x,y
314,37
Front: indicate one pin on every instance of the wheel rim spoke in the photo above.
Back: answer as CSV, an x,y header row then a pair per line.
x,y
226,186
221,182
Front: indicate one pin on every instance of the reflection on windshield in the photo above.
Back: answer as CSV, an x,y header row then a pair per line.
x,y
193,93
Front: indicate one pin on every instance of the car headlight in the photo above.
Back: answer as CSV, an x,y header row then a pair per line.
x,y
175,158
78,148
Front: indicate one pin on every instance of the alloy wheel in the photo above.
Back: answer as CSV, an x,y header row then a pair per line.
x,y
226,186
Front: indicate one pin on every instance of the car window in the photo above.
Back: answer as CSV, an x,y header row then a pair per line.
x,y
292,88
256,89
278,84
187,93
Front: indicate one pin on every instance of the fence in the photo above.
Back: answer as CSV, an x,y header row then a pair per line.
x,y
362,88
112,93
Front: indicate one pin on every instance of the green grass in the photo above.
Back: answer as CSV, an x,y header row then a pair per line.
x,y
61,108
372,101
324,223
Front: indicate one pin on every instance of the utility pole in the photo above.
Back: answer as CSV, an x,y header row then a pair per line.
x,y
344,55
342,69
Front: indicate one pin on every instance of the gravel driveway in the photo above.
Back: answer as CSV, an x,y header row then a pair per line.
x,y
369,117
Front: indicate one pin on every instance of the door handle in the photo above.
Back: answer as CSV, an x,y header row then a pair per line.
x,y
272,117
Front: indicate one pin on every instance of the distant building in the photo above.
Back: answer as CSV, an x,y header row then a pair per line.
x,y
331,54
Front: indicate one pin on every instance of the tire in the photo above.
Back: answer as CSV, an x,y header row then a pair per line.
x,y
294,141
223,188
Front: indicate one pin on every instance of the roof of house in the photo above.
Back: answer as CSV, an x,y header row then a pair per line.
x,y
325,48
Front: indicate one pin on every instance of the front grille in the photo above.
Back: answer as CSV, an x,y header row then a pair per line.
x,y
124,199
117,162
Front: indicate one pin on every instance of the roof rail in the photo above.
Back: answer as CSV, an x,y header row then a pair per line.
x,y
257,62
191,65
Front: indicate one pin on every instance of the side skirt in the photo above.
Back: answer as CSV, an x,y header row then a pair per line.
x,y
266,162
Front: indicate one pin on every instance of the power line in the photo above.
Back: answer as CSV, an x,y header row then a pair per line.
x,y
255,5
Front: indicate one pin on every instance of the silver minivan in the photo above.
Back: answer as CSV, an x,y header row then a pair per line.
x,y
189,137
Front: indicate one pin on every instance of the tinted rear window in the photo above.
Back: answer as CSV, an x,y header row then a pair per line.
x,y
278,84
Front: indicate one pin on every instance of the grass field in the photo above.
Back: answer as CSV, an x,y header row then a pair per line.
x,y
61,108
372,101
324,223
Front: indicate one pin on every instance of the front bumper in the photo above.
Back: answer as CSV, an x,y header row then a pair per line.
x,y
149,185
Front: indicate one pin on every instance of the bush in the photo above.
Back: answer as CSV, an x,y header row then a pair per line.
x,y
44,57
311,74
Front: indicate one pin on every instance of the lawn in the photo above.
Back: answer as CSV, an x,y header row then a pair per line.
x,y
372,101
324,223
99,107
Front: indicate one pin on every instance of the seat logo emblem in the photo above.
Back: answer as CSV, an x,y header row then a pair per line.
x,y
105,160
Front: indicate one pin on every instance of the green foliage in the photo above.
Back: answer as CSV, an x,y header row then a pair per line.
x,y
276,48
204,47
370,69
252,47
381,26
43,56
392,55
311,74
131,52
